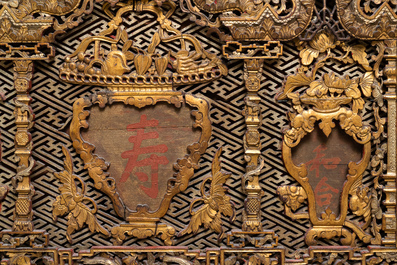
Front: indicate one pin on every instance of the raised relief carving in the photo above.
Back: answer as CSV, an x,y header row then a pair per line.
x,y
256,20
143,171
142,221
327,100
215,203
74,202
29,21
140,78
293,197
110,68
368,19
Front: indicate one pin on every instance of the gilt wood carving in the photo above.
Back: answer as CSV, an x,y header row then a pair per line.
x,y
142,216
239,132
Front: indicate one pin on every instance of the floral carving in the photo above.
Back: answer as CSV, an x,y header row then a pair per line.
x,y
215,203
73,202
331,90
324,100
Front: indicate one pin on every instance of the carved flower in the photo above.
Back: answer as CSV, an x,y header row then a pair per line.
x,y
336,84
317,89
321,42
330,83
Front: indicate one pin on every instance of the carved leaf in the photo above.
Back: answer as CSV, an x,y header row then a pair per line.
x,y
126,46
294,81
326,126
216,163
203,215
359,55
317,89
155,42
71,201
366,83
295,102
5,25
124,36
358,104
215,205
307,55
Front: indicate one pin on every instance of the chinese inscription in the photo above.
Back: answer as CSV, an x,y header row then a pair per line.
x,y
153,161
323,192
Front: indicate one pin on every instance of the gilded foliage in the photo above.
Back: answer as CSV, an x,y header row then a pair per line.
x,y
72,201
215,203
330,88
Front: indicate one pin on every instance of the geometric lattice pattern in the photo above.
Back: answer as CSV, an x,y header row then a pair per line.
x,y
52,105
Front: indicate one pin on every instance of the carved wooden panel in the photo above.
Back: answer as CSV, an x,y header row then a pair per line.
x,y
198,132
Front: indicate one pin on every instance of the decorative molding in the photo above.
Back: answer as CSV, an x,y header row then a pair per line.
x,y
142,217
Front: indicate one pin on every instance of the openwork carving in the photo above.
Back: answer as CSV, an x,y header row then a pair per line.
x,y
73,202
257,20
152,62
216,203
327,100
150,68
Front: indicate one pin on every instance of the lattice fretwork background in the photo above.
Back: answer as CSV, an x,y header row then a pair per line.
x,y
52,105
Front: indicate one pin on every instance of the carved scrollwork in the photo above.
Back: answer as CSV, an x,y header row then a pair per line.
x,y
368,19
258,20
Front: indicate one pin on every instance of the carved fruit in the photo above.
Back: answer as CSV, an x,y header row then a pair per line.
x,y
116,63
161,64
142,63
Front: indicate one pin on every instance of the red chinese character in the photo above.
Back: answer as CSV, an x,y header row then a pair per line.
x,y
153,161
322,186
328,163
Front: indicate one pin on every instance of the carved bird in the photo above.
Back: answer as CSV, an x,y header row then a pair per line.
x,y
216,202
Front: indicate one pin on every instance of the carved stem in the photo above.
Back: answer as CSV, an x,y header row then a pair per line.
x,y
252,146
389,217
23,146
